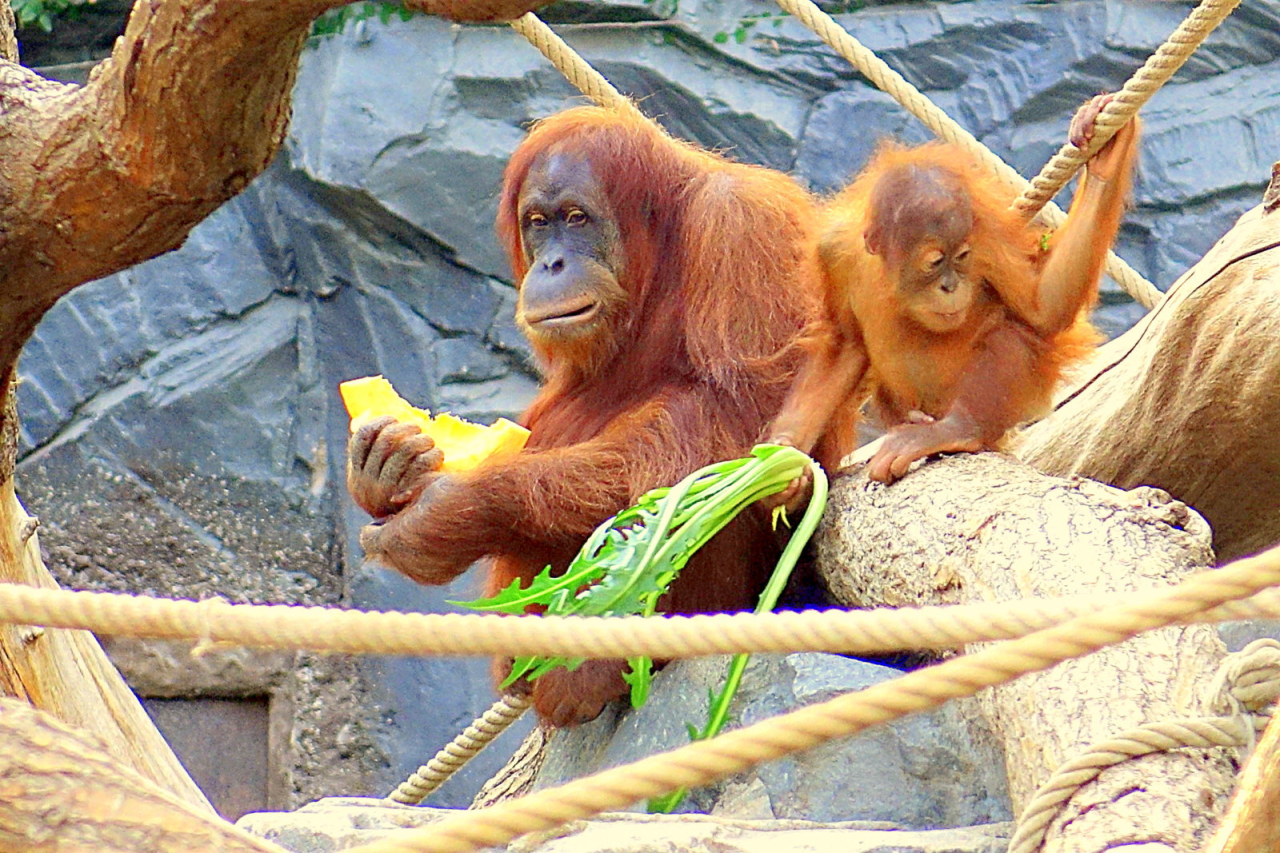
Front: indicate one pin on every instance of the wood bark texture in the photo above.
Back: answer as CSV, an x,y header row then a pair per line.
x,y
192,104
981,528
1187,400
1252,824
62,793
8,33
516,777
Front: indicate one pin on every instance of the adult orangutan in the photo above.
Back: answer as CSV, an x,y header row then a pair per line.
x,y
944,306
662,288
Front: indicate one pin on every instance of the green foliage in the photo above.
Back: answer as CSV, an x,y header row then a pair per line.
x,y
843,8
631,559
42,13
720,702
336,20
747,23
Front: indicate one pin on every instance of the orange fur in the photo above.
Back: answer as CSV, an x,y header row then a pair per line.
x,y
1025,325
1007,255
720,274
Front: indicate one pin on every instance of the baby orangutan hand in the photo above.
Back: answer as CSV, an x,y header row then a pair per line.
x,y
797,493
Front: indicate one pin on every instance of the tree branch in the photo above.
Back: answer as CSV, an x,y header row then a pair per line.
x,y
980,528
192,105
8,33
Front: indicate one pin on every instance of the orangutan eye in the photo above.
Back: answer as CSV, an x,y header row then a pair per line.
x,y
535,220
962,256
575,218
933,260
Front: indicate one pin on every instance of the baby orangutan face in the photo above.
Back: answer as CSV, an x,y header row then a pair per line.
x,y
920,224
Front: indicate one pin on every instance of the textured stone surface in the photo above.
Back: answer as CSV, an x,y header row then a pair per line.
x,y
341,823
926,771
181,427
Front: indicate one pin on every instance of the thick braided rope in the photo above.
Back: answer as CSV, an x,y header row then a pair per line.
x,y
278,626
1124,105
466,746
325,629
707,761
1135,743
1247,684
588,80
879,73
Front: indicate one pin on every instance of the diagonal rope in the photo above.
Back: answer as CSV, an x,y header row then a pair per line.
x,y
576,69
1124,105
894,84
707,761
466,746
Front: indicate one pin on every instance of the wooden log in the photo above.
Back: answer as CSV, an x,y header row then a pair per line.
x,y
1252,824
1187,400
67,674
973,528
62,793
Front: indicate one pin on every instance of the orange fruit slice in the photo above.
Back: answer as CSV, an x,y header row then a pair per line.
x,y
464,444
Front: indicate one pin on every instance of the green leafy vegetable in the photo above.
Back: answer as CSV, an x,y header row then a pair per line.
x,y
336,20
719,713
630,560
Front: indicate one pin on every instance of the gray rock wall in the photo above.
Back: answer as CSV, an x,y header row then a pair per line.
x,y
182,432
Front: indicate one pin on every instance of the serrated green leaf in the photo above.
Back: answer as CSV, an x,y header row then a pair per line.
x,y
639,675
628,562
667,803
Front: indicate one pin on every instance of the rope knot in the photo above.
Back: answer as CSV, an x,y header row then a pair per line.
x,y
1247,681
207,611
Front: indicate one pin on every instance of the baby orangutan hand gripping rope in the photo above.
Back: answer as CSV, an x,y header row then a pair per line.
x,y
943,305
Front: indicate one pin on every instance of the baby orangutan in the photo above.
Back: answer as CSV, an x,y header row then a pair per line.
x,y
943,305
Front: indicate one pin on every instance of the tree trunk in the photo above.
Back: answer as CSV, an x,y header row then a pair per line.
x,y
1187,399
980,528
8,37
192,104
63,794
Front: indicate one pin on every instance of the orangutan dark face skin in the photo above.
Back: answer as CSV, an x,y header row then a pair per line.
x,y
573,248
920,223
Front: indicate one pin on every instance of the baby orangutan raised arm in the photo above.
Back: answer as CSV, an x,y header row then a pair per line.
x,y
943,305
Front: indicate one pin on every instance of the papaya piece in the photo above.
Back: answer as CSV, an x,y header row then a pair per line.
x,y
464,444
